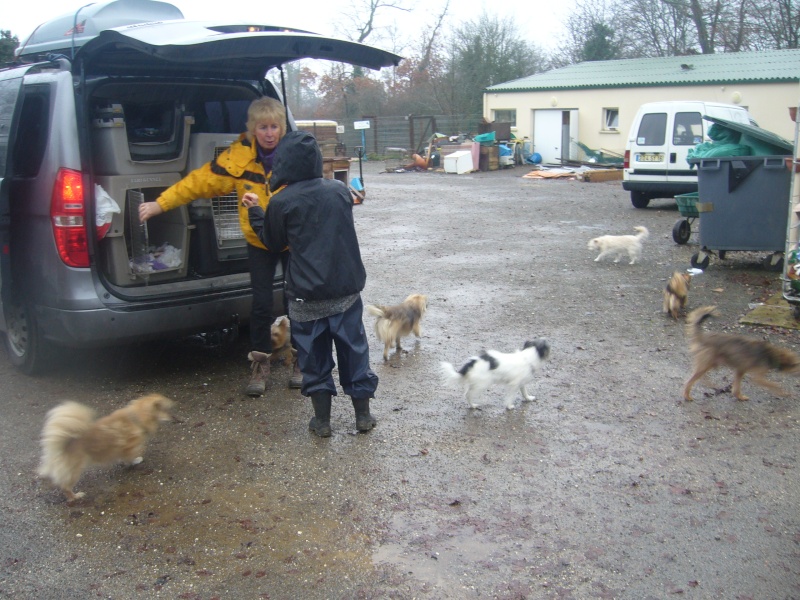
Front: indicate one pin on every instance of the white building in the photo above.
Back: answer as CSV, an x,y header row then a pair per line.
x,y
594,102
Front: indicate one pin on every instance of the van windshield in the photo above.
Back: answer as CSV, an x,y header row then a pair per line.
x,y
652,130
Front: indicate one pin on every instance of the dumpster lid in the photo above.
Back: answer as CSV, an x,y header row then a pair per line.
x,y
774,143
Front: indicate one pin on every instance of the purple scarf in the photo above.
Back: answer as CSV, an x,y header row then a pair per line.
x,y
265,157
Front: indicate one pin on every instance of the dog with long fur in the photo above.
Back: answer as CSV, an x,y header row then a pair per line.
x,y
742,354
619,245
74,439
399,321
282,350
676,293
510,369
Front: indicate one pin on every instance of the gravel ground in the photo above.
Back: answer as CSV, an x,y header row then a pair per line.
x,y
607,486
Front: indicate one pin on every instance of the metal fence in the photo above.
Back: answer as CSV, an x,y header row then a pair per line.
x,y
386,136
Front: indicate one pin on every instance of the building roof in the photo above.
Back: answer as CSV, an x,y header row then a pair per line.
x,y
769,66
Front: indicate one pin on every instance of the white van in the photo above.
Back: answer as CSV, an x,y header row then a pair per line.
x,y
661,136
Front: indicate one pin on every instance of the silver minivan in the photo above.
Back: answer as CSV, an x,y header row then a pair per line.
x,y
93,125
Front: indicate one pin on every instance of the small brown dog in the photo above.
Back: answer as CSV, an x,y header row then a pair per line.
x,y
743,355
74,439
395,322
676,293
282,343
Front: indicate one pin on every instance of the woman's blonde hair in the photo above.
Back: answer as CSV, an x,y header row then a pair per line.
x,y
265,110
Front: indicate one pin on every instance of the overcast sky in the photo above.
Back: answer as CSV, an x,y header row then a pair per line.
x,y
541,22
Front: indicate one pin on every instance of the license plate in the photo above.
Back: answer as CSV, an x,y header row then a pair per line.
x,y
649,157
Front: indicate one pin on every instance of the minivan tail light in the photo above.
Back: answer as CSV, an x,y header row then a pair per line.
x,y
67,211
626,162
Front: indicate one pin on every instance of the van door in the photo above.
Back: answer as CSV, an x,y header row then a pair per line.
x,y
10,88
686,132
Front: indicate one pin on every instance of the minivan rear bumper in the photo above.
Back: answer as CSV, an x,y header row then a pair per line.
x,y
106,327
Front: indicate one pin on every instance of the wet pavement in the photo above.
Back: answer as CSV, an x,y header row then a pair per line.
x,y
607,486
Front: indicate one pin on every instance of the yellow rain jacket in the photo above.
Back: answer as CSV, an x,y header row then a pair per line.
x,y
235,169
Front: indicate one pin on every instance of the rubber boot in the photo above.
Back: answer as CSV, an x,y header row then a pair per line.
x,y
364,420
320,423
259,365
296,380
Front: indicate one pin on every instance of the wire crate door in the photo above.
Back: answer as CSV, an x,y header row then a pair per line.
x,y
225,211
139,235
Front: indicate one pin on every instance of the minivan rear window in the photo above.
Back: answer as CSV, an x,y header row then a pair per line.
x,y
652,130
688,129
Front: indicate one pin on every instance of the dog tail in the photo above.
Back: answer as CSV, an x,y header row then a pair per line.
x,y
451,377
375,311
643,232
696,317
63,425
382,325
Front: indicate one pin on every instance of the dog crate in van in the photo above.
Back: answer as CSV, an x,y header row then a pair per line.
x,y
221,247
141,138
128,254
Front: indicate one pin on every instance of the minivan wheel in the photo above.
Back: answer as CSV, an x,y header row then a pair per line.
x,y
640,199
25,349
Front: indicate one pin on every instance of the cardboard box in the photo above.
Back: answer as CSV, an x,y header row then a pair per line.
x,y
598,175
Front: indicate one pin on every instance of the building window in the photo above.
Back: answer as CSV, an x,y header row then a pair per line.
x,y
506,116
611,119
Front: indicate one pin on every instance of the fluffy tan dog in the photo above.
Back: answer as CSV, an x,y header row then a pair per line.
x,y
73,438
281,342
743,355
395,322
676,293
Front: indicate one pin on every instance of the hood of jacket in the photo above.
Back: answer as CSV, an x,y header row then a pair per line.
x,y
297,158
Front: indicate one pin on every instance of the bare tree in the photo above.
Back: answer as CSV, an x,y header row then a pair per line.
x,y
360,19
719,24
432,36
655,28
776,24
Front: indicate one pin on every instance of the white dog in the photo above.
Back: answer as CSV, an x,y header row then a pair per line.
x,y
513,369
620,244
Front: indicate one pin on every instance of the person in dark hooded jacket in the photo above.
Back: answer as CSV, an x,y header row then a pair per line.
x,y
313,216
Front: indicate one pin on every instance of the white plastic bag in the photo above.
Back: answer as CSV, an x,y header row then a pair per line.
x,y
105,207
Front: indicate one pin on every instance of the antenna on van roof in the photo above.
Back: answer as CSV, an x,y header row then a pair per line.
x,y
75,27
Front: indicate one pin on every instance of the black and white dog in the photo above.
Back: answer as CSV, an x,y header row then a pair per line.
x,y
512,369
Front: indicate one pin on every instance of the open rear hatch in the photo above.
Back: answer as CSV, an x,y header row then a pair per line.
x,y
216,50
151,91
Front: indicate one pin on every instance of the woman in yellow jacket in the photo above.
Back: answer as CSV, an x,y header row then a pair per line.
x,y
245,166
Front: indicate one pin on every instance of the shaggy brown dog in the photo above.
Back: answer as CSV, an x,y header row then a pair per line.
x,y
74,439
281,343
395,322
676,293
743,355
